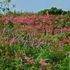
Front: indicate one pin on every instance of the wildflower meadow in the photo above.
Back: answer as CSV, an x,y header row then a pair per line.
x,y
34,41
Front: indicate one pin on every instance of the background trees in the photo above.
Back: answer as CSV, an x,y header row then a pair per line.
x,y
54,11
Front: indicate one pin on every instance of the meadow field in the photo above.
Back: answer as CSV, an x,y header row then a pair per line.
x,y
35,42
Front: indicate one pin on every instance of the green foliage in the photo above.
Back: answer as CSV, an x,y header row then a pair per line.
x,y
4,6
10,24
7,1
53,10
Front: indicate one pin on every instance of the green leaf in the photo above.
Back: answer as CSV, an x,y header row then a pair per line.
x,y
14,5
7,1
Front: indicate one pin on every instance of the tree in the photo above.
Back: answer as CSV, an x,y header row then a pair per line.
x,y
4,6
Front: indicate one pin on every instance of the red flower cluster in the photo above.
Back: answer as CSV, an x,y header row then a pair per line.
x,y
66,29
43,63
29,60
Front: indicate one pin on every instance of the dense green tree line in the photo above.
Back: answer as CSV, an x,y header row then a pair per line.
x,y
54,11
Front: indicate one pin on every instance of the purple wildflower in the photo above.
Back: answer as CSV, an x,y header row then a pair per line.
x,y
23,40
25,44
33,44
14,40
39,44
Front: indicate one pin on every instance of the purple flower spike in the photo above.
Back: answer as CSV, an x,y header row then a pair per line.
x,y
23,40
39,44
30,35
14,40
25,44
33,44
